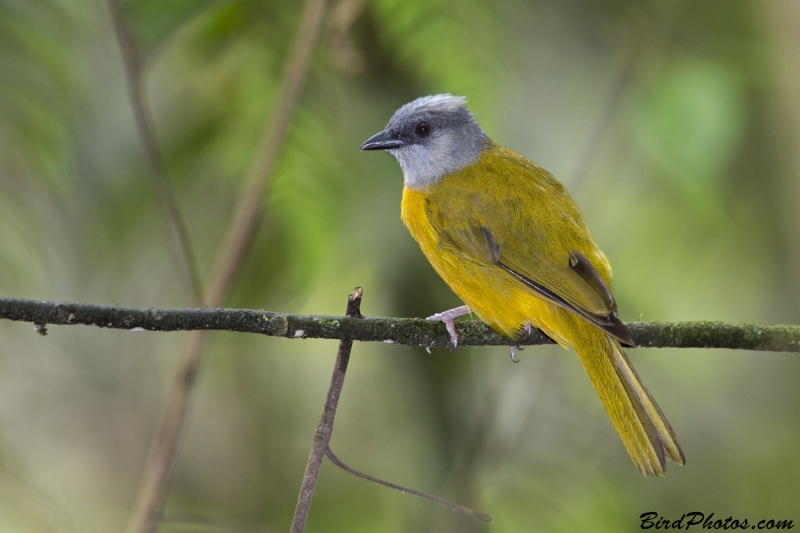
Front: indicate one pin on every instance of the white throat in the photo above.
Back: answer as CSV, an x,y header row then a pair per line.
x,y
424,164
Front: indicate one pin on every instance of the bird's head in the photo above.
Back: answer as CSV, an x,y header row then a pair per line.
x,y
431,137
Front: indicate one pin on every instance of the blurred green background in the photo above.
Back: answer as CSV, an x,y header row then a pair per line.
x,y
675,125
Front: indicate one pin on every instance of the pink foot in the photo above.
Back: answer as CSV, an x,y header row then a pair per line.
x,y
447,317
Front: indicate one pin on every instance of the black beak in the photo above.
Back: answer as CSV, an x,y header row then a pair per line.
x,y
381,141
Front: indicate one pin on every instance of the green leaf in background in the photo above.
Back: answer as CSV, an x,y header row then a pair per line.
x,y
154,21
38,77
692,119
454,47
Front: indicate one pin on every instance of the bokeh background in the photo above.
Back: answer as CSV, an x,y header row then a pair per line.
x,y
675,125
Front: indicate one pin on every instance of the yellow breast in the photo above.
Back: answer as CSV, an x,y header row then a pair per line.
x,y
492,293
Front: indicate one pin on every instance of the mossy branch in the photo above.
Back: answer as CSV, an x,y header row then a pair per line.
x,y
406,331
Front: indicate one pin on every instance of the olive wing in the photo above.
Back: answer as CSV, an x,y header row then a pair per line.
x,y
524,222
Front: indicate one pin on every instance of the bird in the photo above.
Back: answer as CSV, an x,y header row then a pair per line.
x,y
510,242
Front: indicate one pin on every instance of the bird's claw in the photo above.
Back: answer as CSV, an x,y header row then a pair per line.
x,y
447,317
528,329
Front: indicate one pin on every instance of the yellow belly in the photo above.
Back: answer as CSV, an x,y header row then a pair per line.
x,y
489,291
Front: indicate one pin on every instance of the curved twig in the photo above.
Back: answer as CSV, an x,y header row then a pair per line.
x,y
483,517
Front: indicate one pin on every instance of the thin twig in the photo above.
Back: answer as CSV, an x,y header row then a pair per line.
x,y
435,499
159,459
322,437
406,331
343,15
182,249
234,250
248,212
157,469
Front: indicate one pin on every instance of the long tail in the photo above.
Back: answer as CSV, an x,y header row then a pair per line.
x,y
641,425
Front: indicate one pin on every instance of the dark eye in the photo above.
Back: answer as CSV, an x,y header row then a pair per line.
x,y
423,129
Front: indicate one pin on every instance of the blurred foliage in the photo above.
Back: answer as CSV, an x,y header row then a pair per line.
x,y
690,190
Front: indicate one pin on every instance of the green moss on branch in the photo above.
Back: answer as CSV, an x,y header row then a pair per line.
x,y
406,331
